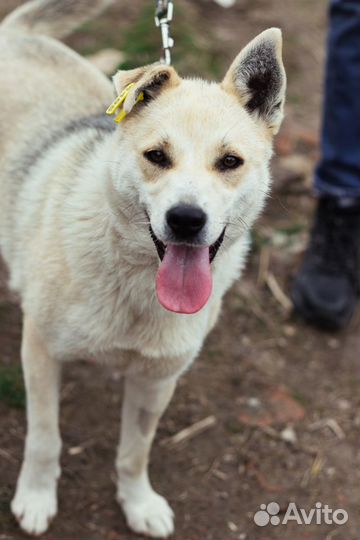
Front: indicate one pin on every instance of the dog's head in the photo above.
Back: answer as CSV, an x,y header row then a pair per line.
x,y
196,161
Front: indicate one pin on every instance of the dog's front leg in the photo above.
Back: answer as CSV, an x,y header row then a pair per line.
x,y
34,504
144,402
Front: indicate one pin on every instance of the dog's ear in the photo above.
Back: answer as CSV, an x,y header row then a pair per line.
x,y
149,80
257,77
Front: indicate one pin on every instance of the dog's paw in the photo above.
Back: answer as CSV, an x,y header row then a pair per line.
x,y
151,516
34,509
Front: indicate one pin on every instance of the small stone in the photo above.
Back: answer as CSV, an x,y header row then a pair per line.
x,y
75,450
330,471
289,330
288,435
254,402
229,458
343,404
225,3
232,526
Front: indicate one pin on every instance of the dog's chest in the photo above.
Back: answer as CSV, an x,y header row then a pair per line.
x,y
119,312
104,330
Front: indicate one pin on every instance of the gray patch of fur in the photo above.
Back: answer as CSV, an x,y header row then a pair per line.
x,y
98,123
97,126
262,75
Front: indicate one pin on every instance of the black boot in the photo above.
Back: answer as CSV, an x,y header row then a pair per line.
x,y
325,290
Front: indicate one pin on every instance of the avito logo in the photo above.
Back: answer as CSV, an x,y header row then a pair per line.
x,y
268,514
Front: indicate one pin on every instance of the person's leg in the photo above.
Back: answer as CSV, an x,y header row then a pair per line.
x,y
325,290
338,172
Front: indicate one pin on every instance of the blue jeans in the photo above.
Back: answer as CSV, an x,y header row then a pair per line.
x,y
338,172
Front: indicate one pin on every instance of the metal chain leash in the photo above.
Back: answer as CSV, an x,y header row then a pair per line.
x,y
163,17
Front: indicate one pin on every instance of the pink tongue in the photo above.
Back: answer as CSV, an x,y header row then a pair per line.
x,y
184,281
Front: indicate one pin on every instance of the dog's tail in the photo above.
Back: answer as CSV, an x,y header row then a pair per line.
x,y
55,18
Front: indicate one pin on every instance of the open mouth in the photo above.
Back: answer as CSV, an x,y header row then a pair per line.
x,y
161,247
184,280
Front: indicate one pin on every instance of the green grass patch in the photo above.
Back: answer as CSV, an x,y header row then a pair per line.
x,y
258,240
192,54
293,229
12,390
195,52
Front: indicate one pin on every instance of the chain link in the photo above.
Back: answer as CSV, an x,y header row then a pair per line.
x,y
163,17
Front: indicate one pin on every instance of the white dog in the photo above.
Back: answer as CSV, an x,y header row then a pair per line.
x,y
121,239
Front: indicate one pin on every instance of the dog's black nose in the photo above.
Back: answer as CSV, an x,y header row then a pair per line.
x,y
185,220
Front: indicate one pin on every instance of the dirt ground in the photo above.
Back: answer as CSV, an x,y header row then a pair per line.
x,y
283,397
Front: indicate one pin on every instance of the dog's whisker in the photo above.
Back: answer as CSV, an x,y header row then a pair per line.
x,y
242,221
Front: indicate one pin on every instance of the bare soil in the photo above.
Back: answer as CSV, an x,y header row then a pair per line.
x,y
285,396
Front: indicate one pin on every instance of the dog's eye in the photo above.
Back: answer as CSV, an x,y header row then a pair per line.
x,y
158,157
229,162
